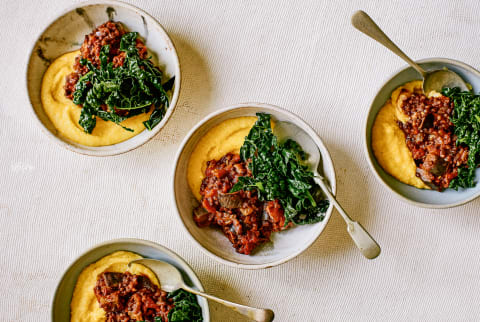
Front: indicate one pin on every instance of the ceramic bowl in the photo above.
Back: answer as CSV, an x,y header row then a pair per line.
x,y
64,291
419,197
285,245
66,33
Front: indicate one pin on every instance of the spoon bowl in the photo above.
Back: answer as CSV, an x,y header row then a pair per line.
x,y
168,275
287,130
437,80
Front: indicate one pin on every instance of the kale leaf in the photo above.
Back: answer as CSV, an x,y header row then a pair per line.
x,y
185,309
466,121
278,172
136,86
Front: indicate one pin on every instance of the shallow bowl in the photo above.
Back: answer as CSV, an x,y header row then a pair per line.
x,y
285,245
66,33
147,249
419,197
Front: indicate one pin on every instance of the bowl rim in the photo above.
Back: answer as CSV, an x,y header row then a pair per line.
x,y
117,151
326,157
188,269
367,144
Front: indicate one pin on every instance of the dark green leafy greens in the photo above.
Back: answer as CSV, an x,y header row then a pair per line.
x,y
185,309
135,86
278,173
466,120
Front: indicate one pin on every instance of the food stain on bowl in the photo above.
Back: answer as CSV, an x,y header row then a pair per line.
x,y
116,96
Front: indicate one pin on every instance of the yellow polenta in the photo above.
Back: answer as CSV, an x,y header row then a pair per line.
x,y
64,115
227,137
84,306
388,140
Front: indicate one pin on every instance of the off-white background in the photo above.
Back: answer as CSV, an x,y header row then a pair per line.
x,y
301,55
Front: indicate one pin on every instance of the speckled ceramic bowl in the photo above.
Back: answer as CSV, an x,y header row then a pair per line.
x,y
147,249
419,197
285,245
67,32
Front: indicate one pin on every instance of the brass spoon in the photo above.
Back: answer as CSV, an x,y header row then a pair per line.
x,y
171,280
362,239
432,80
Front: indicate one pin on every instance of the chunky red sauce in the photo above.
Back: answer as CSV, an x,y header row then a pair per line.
x,y
245,220
126,298
109,33
430,137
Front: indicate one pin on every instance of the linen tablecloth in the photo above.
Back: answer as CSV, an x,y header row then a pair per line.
x,y
301,55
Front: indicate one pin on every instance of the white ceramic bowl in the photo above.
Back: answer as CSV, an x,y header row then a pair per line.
x,y
64,291
419,197
67,32
286,244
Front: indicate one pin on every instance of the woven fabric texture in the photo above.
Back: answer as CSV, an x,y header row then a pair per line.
x,y
301,55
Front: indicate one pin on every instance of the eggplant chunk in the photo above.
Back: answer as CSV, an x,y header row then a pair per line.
x,y
230,200
112,279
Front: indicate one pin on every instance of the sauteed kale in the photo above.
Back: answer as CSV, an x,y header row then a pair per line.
x,y
466,120
185,307
278,173
115,94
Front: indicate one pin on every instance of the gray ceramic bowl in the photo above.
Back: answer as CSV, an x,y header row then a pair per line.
x,y
67,32
419,197
64,291
286,244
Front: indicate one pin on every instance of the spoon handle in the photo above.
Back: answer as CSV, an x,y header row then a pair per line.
x,y
362,239
260,315
365,24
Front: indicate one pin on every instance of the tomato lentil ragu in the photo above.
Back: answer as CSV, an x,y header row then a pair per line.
x,y
245,220
430,137
109,33
127,297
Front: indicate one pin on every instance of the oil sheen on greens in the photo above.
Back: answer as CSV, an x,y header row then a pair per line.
x,y
278,172
466,120
185,309
135,86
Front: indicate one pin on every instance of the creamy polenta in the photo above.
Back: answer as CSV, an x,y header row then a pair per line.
x,y
84,306
227,137
388,140
64,114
